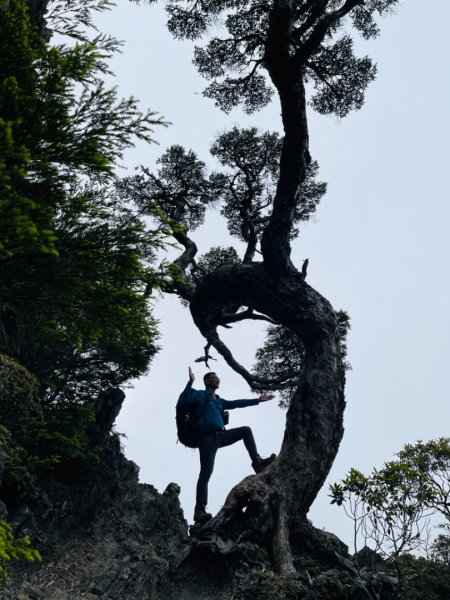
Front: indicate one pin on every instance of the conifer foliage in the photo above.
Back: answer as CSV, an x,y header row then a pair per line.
x,y
76,261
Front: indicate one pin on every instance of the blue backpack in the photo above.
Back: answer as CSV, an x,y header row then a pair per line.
x,y
187,424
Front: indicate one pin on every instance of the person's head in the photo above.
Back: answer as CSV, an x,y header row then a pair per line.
x,y
211,380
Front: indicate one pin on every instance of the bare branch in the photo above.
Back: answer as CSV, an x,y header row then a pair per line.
x,y
187,257
256,383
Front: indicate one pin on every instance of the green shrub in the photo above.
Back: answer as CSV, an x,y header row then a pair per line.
x,y
14,548
19,403
38,439
63,439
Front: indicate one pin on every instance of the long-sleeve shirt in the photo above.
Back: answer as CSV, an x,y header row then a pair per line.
x,y
211,419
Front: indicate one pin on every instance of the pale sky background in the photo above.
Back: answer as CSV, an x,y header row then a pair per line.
x,y
378,248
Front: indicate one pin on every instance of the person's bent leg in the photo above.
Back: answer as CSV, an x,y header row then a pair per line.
x,y
231,436
226,438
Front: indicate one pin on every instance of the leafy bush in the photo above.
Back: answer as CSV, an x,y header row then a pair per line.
x,y
14,548
19,403
35,439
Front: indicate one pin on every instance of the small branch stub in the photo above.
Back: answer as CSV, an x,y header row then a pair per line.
x,y
305,268
206,357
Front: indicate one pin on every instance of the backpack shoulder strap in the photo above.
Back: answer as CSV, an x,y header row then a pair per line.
x,y
207,400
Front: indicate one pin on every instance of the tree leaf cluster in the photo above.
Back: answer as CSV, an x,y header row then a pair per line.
x,y
50,131
212,260
281,357
12,547
235,62
182,189
282,354
73,17
391,506
82,320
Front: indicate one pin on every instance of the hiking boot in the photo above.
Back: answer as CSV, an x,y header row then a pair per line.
x,y
200,514
259,464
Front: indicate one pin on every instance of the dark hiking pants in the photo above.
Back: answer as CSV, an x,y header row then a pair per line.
x,y
208,446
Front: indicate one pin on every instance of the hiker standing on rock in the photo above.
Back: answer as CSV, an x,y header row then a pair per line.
x,y
208,410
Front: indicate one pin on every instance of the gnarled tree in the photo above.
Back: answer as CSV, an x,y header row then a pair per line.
x,y
266,189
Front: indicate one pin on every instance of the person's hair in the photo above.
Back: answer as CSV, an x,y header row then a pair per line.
x,y
206,377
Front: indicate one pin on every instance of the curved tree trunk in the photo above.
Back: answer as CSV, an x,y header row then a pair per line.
x,y
270,507
284,492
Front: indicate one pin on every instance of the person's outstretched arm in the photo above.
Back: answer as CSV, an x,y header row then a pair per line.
x,y
230,404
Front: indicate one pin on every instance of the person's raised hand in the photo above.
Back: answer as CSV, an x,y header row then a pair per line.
x,y
266,397
191,375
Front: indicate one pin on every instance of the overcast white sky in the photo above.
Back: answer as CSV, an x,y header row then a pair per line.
x,y
378,248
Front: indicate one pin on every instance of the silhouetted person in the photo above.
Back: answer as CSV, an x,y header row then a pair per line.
x,y
209,409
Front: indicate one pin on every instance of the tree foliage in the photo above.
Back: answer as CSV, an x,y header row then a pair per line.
x,y
390,508
180,188
235,64
76,260
430,464
81,319
12,547
51,132
281,357
440,548
384,507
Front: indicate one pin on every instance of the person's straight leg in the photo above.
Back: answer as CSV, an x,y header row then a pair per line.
x,y
208,447
231,436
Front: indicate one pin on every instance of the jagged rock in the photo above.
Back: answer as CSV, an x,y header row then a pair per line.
x,y
103,535
359,591
106,537
366,557
110,404
386,585
340,547
24,522
328,587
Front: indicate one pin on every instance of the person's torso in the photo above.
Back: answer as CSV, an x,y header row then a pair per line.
x,y
210,416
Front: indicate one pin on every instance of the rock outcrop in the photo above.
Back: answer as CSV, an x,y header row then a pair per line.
x,y
107,536
103,535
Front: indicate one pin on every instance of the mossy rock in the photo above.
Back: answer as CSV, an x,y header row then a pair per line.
x,y
326,588
268,586
19,404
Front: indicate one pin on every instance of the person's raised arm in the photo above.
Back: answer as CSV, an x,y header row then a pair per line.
x,y
188,390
